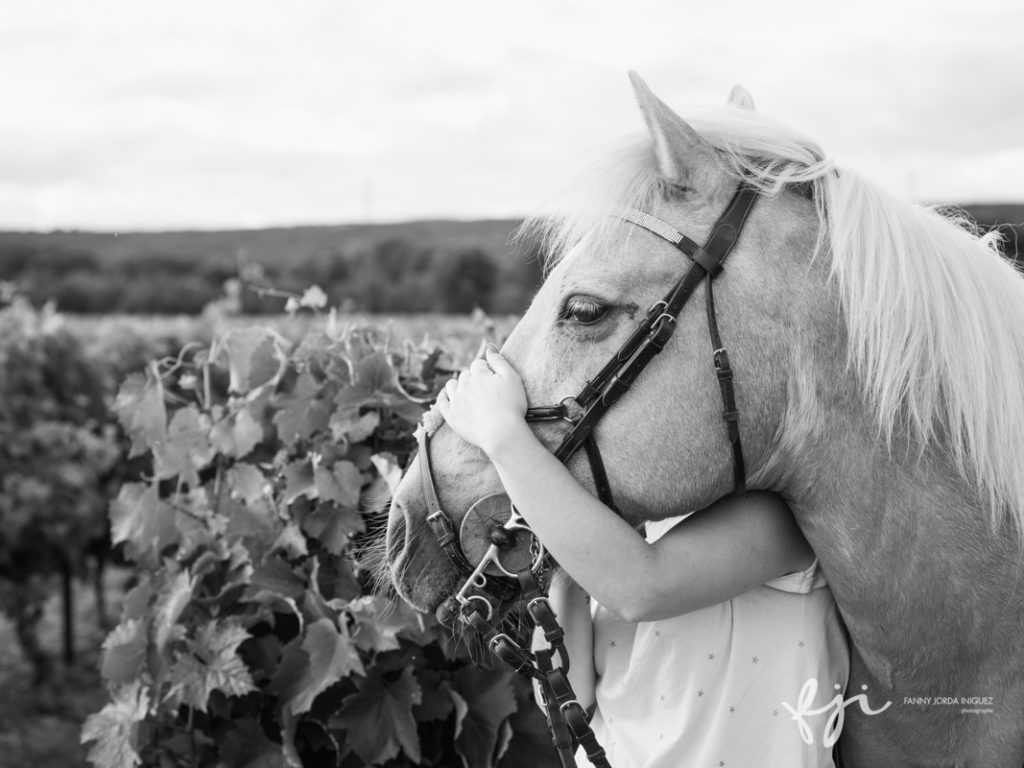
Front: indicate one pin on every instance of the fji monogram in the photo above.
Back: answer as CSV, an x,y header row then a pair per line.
x,y
834,724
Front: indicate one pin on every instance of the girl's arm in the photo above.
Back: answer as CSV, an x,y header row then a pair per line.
x,y
572,608
736,544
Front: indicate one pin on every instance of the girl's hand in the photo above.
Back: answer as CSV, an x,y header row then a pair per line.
x,y
486,404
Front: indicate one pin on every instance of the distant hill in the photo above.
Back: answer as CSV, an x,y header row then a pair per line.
x,y
281,245
411,267
419,266
274,245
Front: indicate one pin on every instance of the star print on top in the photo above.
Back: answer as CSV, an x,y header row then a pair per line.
x,y
714,681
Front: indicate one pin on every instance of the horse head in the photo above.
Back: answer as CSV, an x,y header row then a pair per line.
x,y
664,444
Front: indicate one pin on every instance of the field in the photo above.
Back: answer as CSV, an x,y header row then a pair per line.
x,y
452,332
40,722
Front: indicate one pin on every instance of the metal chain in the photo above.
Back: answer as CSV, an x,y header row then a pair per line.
x,y
566,716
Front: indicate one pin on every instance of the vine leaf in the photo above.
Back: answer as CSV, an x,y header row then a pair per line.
x,y
257,524
145,523
333,526
246,482
530,746
374,379
291,541
255,356
300,413
236,436
488,699
346,423
276,577
331,656
376,385
299,481
174,599
124,652
390,470
378,718
247,746
437,701
378,623
115,728
140,409
340,484
210,664
186,448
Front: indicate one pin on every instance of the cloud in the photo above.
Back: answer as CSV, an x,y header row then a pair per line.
x,y
196,113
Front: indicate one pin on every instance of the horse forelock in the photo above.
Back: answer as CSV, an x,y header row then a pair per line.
x,y
934,315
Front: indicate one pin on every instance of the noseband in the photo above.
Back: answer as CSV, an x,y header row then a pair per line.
x,y
480,582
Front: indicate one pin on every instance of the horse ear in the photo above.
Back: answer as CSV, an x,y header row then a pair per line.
x,y
681,152
740,97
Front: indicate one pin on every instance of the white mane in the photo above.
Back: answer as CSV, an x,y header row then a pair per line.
x,y
935,316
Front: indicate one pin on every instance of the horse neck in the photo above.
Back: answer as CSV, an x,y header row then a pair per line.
x,y
905,542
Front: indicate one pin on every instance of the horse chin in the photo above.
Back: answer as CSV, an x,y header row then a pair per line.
x,y
447,613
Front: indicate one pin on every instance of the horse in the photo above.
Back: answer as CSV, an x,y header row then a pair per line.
x,y
878,356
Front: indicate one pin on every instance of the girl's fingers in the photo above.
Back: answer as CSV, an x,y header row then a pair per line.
x,y
498,363
442,402
449,388
480,365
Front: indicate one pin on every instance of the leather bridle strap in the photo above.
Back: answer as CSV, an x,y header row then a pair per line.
x,y
438,522
711,260
441,527
650,337
730,413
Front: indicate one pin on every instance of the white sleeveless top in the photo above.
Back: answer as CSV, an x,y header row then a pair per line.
x,y
709,689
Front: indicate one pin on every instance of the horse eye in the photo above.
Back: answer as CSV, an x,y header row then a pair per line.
x,y
583,311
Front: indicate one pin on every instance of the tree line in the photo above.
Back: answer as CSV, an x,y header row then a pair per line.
x,y
414,267
390,276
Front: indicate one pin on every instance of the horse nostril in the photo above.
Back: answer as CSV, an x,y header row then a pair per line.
x,y
501,537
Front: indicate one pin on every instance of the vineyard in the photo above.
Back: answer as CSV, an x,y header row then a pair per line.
x,y
215,505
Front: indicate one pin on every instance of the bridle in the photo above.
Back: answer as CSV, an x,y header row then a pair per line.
x,y
599,394
491,578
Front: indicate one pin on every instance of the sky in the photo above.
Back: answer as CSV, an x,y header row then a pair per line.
x,y
124,115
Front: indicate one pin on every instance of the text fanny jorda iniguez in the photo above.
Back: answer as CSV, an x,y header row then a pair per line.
x,y
837,705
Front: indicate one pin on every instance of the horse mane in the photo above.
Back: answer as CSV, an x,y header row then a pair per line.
x,y
934,313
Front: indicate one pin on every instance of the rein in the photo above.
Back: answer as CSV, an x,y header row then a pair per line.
x,y
490,579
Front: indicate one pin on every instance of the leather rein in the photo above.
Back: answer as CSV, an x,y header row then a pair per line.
x,y
490,581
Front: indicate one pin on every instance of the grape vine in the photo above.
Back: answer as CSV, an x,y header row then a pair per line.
x,y
254,636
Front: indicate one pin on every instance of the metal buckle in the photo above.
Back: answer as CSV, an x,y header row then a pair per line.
x,y
652,309
572,411
664,316
571,703
534,601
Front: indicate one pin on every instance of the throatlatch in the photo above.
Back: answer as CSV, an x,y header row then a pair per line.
x,y
567,718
